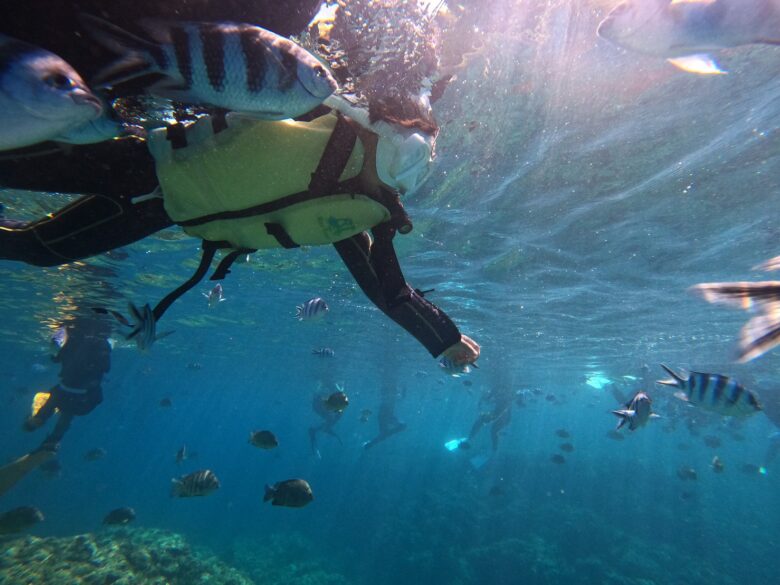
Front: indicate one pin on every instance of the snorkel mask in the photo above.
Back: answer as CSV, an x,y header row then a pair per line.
x,y
403,155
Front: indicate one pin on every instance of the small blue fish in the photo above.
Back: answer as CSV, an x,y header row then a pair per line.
x,y
235,66
713,392
325,352
41,96
312,309
215,296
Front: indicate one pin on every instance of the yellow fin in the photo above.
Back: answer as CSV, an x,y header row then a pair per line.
x,y
38,401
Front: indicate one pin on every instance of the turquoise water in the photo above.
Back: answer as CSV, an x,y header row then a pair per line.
x,y
577,193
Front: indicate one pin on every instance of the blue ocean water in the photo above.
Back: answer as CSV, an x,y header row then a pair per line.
x,y
578,191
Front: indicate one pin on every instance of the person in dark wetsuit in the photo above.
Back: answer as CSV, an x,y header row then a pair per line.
x,y
84,358
329,420
501,398
115,176
389,424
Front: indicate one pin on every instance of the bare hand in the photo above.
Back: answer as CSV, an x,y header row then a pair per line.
x,y
465,352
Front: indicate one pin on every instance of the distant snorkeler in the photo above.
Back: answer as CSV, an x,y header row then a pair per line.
x,y
685,31
84,353
329,416
345,167
762,332
387,420
501,397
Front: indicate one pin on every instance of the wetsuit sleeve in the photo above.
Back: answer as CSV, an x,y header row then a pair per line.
x,y
109,175
379,275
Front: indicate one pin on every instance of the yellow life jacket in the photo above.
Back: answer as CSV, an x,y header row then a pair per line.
x,y
250,183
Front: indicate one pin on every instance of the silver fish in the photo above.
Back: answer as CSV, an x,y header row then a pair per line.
x,y
713,392
324,352
684,31
235,66
636,413
197,483
312,309
762,332
58,339
41,96
215,296
453,369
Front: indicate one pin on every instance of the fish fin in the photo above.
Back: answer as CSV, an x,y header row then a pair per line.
x,y
269,493
743,295
135,313
654,415
701,64
624,416
175,487
769,265
677,380
173,90
759,335
681,396
164,334
135,51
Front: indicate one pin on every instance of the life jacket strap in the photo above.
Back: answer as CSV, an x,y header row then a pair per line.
x,y
334,158
277,231
223,268
209,249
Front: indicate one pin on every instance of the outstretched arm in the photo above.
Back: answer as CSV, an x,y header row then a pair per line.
x,y
375,268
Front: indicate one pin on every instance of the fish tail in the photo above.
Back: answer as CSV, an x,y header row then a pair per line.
x,y
269,493
758,336
299,312
742,295
677,380
175,488
138,56
623,418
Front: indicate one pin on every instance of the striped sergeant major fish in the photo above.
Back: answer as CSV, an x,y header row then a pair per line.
x,y
713,392
636,413
312,309
142,323
762,332
197,483
234,66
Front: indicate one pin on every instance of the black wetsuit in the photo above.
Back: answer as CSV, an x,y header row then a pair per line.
x,y
85,359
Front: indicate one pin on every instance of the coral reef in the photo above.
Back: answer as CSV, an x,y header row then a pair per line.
x,y
282,559
118,556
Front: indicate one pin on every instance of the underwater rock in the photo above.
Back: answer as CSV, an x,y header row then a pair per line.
x,y
119,556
